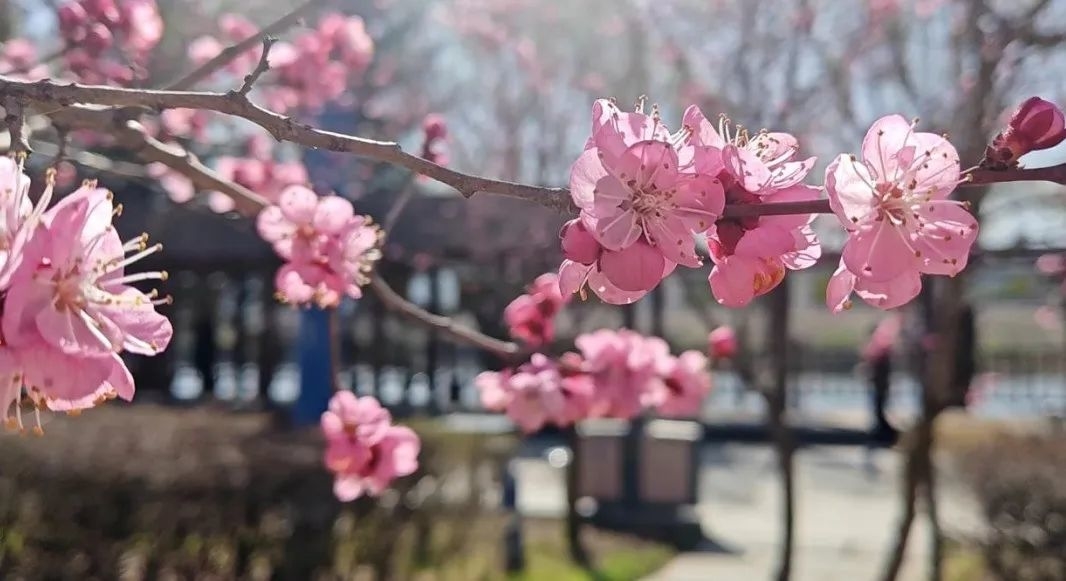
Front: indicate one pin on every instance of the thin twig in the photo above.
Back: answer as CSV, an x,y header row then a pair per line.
x,y
261,67
407,191
231,52
448,328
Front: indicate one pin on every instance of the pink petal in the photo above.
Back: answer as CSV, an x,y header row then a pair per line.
x,y
838,292
878,252
890,294
765,242
348,488
636,268
619,230
332,214
703,131
884,142
746,168
851,195
298,204
945,238
733,281
586,172
672,238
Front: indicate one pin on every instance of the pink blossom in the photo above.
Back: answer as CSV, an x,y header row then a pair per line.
x,y
894,204
111,42
538,393
722,342
329,250
363,450
19,217
681,390
260,173
625,367
1036,124
74,293
531,317
630,186
751,254
69,309
1051,264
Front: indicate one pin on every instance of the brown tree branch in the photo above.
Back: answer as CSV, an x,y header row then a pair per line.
x,y
261,67
53,94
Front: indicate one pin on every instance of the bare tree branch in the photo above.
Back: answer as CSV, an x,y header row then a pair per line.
x,y
16,124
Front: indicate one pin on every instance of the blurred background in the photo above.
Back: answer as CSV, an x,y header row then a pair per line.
x,y
213,473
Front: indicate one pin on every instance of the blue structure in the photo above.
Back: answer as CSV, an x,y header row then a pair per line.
x,y
316,381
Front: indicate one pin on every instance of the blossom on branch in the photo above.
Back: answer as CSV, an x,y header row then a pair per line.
x,y
639,197
364,450
751,254
109,41
69,309
330,251
894,204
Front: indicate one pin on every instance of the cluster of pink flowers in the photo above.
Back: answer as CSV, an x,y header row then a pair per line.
x,y
308,72
644,192
1036,124
901,224
531,316
69,311
614,374
329,250
109,41
364,450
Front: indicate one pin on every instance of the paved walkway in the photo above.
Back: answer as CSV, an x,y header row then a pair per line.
x,y
847,507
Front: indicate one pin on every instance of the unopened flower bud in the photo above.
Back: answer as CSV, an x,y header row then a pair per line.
x,y
722,342
1036,125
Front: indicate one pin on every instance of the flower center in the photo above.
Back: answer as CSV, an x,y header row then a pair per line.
x,y
68,293
652,203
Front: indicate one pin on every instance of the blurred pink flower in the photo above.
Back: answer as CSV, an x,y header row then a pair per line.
x,y
363,450
624,367
722,342
531,317
329,250
538,393
681,390
894,204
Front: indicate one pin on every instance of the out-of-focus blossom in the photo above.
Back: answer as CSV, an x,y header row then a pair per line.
x,y
681,390
109,41
18,59
531,316
364,451
722,342
329,250
625,368
538,393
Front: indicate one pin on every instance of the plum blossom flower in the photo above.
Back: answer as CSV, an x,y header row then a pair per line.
x,y
329,250
531,317
364,450
19,217
751,254
69,310
901,224
633,186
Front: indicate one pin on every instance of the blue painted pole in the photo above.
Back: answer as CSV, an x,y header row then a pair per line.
x,y
316,385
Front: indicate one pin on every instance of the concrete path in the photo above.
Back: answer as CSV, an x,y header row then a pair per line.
x,y
847,508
